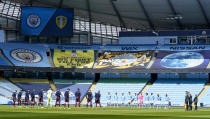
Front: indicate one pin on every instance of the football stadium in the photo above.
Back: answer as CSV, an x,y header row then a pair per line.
x,y
104,59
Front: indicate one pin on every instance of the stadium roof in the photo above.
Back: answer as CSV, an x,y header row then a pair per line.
x,y
138,14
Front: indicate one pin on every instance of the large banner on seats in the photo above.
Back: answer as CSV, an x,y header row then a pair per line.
x,y
182,59
73,59
25,54
124,60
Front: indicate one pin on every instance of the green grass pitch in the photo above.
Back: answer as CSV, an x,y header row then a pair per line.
x,y
7,112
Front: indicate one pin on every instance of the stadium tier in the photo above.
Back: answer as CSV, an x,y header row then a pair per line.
x,y
3,62
119,86
205,98
73,85
175,88
31,84
6,90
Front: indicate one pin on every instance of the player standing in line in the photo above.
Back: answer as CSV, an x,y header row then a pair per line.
x,y
130,98
123,100
89,99
141,97
115,100
78,95
20,98
97,99
158,101
196,102
41,95
147,101
108,99
27,97
135,100
49,96
190,101
14,94
58,98
167,100
152,100
66,95
33,98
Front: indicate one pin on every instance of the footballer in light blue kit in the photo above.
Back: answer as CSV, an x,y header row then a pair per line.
x,y
147,101
130,98
135,100
167,100
108,99
152,100
115,100
158,101
123,99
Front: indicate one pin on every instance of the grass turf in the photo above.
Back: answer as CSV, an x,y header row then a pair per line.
x,y
7,112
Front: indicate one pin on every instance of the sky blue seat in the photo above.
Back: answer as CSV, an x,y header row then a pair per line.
x,y
119,86
175,88
205,99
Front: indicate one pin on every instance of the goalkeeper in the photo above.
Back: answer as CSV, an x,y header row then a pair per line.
x,y
49,96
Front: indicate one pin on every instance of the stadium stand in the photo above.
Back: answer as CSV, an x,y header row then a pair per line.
x,y
2,61
204,100
6,90
120,86
175,88
31,84
84,85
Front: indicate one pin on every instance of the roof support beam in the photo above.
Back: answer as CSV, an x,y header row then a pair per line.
x,y
122,23
60,4
146,14
89,13
179,23
203,12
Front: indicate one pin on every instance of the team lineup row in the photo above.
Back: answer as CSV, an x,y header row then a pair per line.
x,y
147,101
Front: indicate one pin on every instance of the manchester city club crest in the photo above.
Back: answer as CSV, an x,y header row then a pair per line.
x,y
33,21
26,56
61,21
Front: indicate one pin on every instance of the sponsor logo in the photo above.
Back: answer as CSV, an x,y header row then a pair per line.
x,y
33,21
188,48
26,56
129,48
61,21
74,54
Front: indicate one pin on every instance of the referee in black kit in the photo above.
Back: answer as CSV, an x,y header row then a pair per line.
x,y
187,100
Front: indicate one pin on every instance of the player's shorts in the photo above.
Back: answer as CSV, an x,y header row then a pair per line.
x,y
129,101
158,102
26,99
116,102
140,101
108,101
14,99
166,102
77,99
97,101
19,100
147,102
66,99
89,100
32,99
123,102
40,99
135,102
152,102
58,99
